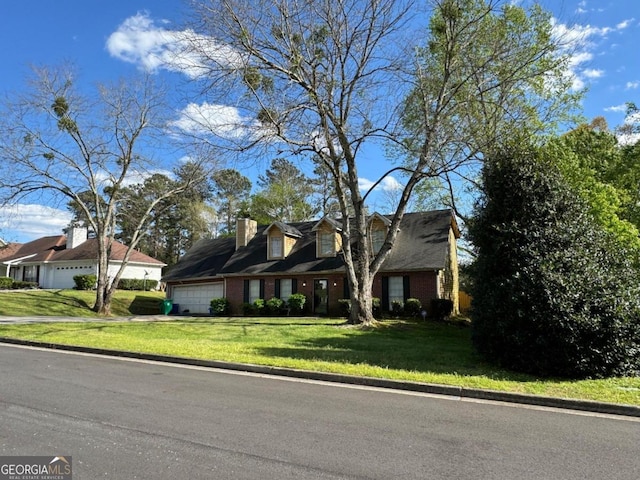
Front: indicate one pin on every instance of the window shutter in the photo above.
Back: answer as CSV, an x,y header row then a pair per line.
x,y
245,297
405,287
384,301
277,288
345,288
262,289
294,285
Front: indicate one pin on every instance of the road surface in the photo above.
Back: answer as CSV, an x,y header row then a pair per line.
x,y
125,419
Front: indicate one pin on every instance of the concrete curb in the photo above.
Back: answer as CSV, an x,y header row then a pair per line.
x,y
461,392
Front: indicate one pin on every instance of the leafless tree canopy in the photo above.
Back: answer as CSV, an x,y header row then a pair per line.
x,y
65,147
331,76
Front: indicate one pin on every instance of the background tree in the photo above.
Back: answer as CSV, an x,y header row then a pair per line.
x,y
175,223
593,164
488,69
324,196
134,202
552,293
284,196
232,190
84,150
327,79
628,173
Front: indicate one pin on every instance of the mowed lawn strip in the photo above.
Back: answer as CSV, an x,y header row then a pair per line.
x,y
76,303
404,350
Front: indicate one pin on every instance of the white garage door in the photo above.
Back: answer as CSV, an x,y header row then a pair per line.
x,y
196,298
62,275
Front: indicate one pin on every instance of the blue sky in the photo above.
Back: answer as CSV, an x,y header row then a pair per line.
x,y
109,40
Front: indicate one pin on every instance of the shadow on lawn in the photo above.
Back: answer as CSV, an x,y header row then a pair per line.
x,y
75,300
145,305
419,347
57,296
248,322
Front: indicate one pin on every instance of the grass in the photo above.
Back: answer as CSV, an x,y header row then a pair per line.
x,y
403,350
76,303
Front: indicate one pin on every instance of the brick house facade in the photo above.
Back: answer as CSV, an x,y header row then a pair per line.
x,y
304,257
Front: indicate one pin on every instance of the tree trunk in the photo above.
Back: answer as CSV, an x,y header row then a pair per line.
x,y
98,307
106,303
103,295
362,304
361,278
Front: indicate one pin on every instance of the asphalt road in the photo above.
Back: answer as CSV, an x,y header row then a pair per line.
x,y
124,419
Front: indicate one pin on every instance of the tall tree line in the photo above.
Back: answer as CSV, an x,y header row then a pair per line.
x,y
210,206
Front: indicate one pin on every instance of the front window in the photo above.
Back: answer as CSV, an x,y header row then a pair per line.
x,y
327,243
286,289
396,291
254,290
14,273
31,273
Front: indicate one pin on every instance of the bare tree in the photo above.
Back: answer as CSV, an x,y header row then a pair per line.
x,y
327,78
64,147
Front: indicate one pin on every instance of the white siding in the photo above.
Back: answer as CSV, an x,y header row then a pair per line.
x,y
137,271
58,275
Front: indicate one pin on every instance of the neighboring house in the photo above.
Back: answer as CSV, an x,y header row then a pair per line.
x,y
305,257
52,262
8,249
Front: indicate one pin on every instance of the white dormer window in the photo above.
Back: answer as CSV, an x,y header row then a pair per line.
x,y
377,240
328,240
276,247
327,244
281,239
378,228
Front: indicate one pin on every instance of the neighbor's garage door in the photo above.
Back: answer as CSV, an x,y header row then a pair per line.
x,y
196,298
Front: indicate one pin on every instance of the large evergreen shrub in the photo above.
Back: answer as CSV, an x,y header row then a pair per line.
x,y
552,293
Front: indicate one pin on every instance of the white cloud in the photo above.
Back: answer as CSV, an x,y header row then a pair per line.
x,y
593,73
616,108
624,24
388,184
633,85
220,120
579,41
26,222
629,137
139,41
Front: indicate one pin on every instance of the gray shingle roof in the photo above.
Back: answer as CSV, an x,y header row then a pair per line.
x,y
285,228
421,244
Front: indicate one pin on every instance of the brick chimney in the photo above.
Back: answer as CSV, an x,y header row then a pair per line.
x,y
76,235
246,229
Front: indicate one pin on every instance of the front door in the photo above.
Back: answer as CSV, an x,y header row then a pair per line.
x,y
321,297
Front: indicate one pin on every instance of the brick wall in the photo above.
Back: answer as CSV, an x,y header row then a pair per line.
x,y
422,285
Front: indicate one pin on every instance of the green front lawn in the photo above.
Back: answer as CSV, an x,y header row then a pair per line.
x,y
404,350
76,303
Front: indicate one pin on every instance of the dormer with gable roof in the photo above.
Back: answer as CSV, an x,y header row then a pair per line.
x,y
280,240
378,227
328,238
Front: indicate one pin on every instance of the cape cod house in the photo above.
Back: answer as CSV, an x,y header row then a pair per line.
x,y
53,261
280,259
